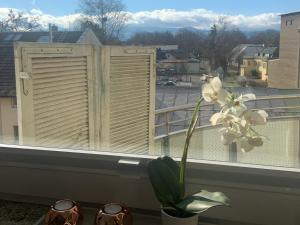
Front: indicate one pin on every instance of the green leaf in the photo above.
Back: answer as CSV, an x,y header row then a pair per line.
x,y
202,201
164,177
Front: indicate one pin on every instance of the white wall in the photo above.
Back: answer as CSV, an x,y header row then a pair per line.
x,y
8,119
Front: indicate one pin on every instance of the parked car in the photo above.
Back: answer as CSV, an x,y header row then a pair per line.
x,y
170,83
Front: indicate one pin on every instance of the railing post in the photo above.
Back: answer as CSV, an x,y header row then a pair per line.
x,y
233,152
165,140
167,124
165,146
199,118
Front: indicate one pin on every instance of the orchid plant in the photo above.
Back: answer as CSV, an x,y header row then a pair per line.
x,y
237,120
168,178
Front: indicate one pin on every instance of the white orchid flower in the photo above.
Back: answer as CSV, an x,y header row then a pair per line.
x,y
257,117
229,135
249,143
236,119
236,105
245,145
213,92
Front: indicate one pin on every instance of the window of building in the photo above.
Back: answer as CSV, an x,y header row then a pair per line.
x,y
14,102
16,134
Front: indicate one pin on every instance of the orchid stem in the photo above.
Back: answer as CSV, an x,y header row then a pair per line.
x,y
189,135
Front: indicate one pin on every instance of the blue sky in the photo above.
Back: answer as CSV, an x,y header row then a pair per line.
x,y
166,14
253,7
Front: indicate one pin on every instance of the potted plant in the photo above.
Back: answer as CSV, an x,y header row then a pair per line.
x,y
168,178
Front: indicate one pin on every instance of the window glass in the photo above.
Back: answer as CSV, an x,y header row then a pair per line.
x,y
127,78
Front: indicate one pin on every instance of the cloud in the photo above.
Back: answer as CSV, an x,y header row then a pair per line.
x,y
201,19
169,18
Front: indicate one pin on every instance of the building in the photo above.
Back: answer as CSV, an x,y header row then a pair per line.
x,y
8,104
284,72
257,66
243,51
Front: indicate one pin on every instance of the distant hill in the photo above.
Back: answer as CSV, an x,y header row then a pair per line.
x,y
132,29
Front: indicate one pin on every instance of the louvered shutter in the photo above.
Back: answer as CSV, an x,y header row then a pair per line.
x,y
55,95
130,90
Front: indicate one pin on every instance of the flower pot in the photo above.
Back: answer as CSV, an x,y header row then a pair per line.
x,y
171,220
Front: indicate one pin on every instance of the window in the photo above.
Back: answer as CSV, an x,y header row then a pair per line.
x,y
14,102
86,104
289,22
8,37
44,39
73,95
16,134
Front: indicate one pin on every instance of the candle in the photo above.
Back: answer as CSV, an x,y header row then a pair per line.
x,y
63,205
112,209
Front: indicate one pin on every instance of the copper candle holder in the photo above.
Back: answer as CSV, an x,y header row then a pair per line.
x,y
64,212
113,214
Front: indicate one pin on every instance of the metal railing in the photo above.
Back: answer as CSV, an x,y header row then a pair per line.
x,y
164,117
288,109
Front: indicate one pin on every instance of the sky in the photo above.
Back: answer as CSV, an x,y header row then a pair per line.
x,y
200,14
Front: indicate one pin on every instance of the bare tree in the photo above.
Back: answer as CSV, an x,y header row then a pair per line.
x,y
270,38
221,40
108,15
17,21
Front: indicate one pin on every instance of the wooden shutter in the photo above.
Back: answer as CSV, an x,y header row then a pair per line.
x,y
129,80
55,95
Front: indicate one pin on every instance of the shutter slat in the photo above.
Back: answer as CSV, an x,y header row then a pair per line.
x,y
66,126
61,93
63,136
60,100
57,69
64,64
61,86
45,84
130,99
57,106
61,75
46,60
63,112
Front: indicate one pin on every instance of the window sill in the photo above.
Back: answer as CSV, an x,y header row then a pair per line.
x,y
99,177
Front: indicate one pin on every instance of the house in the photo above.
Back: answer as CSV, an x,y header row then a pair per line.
x,y
257,66
8,103
284,72
243,51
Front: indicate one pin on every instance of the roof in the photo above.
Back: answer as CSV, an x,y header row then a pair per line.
x,y
246,50
290,14
7,72
7,65
60,36
269,50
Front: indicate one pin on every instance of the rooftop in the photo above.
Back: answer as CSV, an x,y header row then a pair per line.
x,y
290,14
60,36
7,65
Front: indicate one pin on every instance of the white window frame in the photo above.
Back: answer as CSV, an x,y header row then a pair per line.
x,y
51,173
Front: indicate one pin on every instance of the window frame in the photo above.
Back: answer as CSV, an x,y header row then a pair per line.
x,y
128,173
109,161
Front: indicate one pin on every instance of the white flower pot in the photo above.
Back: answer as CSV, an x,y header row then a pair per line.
x,y
170,220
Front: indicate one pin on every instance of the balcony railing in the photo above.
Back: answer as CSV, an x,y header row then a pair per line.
x,y
173,119
283,130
